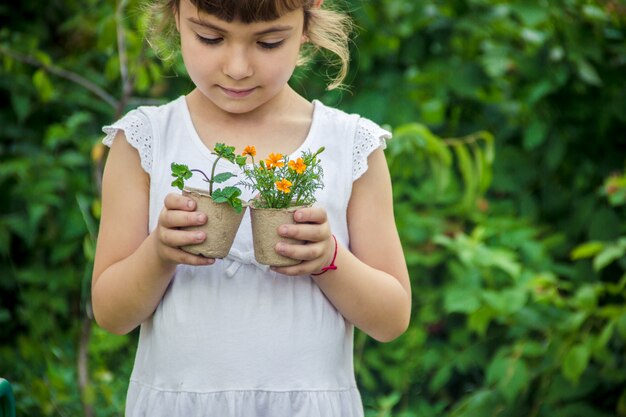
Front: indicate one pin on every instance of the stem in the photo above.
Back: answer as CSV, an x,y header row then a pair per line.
x,y
213,173
83,365
203,174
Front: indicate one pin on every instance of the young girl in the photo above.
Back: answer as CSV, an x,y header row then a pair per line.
x,y
230,337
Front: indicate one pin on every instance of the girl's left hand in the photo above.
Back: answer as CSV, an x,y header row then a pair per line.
x,y
312,227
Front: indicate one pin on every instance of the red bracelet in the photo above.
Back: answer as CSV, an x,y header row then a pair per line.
x,y
332,263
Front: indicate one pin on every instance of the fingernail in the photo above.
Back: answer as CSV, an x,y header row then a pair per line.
x,y
198,236
200,217
280,248
299,216
190,203
284,230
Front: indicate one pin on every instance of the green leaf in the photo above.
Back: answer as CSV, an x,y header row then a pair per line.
x,y
241,160
440,379
509,374
535,134
607,256
575,362
588,73
586,298
586,250
182,173
219,198
236,204
621,326
231,192
222,177
595,13
224,151
21,106
180,170
43,85
461,300
507,301
604,337
479,320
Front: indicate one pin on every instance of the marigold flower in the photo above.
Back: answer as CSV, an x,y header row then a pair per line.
x,y
274,160
299,166
283,185
249,150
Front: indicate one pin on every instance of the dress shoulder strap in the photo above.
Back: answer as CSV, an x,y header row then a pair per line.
x,y
139,134
368,137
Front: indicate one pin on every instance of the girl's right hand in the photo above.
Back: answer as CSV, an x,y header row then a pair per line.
x,y
178,212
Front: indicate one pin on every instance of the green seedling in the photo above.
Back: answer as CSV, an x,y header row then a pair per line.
x,y
230,195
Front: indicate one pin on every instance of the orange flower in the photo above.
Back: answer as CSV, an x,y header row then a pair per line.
x,y
299,166
274,160
250,150
283,185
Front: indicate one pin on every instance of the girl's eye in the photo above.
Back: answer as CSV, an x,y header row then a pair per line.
x,y
270,45
208,41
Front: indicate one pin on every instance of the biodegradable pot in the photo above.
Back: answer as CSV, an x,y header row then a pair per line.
x,y
265,223
220,228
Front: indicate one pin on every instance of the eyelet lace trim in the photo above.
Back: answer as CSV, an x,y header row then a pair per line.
x,y
138,133
369,137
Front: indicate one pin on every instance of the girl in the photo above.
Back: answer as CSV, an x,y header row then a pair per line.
x,y
230,337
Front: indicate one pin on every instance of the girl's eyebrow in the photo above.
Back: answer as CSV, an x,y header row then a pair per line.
x,y
272,29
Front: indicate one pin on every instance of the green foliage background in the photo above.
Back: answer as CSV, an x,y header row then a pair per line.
x,y
508,165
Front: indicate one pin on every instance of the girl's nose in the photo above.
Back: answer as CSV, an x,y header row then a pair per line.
x,y
237,65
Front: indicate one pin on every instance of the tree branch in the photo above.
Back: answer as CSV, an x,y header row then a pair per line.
x,y
122,52
63,73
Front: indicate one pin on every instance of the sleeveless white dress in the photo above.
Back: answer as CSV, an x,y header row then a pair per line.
x,y
235,338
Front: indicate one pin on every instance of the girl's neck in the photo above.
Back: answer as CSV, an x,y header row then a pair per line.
x,y
278,126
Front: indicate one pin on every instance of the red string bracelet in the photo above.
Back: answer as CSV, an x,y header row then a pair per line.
x,y
332,265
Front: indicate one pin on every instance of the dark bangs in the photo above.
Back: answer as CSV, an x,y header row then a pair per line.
x,y
248,11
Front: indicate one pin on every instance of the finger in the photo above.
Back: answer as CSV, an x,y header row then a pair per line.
x,y
176,218
310,215
175,201
303,268
304,252
304,231
175,238
179,256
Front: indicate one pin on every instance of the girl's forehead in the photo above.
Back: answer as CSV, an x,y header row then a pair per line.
x,y
247,11
199,18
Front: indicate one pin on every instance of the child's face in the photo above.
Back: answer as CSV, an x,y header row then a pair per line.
x,y
239,67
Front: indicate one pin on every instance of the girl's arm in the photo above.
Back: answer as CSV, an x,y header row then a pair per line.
x,y
132,269
370,287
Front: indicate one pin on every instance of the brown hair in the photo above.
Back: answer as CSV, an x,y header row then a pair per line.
x,y
326,29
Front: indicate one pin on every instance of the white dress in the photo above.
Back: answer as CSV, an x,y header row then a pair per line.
x,y
235,338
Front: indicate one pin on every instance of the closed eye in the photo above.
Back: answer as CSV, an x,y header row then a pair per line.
x,y
208,41
270,45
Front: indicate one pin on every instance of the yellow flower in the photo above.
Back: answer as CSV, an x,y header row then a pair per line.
x,y
274,160
283,185
249,150
299,166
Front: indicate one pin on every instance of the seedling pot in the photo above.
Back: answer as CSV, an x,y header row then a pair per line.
x,y
221,226
265,223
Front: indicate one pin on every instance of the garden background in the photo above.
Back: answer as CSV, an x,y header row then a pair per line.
x,y
508,164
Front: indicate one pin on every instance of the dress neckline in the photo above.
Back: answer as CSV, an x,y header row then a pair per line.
x,y
204,150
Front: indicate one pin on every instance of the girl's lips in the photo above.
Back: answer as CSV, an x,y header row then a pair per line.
x,y
237,93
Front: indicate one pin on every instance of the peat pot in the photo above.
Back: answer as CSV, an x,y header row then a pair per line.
x,y
265,223
220,228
